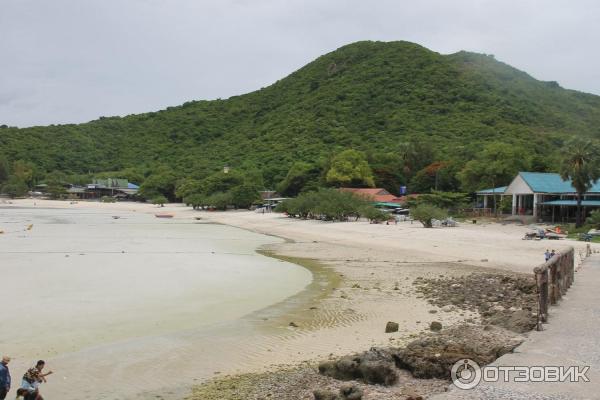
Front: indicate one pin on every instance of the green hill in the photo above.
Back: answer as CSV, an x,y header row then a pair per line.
x,y
370,96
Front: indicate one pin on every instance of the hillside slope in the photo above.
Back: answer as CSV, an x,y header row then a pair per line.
x,y
370,96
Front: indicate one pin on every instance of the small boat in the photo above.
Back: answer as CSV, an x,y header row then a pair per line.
x,y
115,217
164,215
197,218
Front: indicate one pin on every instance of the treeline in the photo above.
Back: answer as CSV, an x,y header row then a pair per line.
x,y
416,166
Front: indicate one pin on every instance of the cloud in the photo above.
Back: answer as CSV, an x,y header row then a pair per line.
x,y
79,60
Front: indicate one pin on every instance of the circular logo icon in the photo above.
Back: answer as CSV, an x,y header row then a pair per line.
x,y
465,374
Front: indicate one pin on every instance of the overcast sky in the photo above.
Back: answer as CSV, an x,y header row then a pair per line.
x,y
65,61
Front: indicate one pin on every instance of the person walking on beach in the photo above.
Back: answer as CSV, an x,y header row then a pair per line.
x,y
547,255
33,378
4,377
553,253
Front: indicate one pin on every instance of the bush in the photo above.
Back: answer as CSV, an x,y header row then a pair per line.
x,y
159,200
374,215
108,199
326,204
424,213
219,200
194,200
594,219
15,187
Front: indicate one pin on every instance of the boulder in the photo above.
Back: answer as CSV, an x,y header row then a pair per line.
x,y
375,366
321,394
391,327
351,392
435,326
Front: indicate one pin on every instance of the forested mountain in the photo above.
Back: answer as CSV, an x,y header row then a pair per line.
x,y
370,96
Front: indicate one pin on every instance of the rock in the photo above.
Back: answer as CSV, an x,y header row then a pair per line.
x,y
519,321
448,308
351,392
293,325
435,326
433,355
432,311
321,394
375,366
391,327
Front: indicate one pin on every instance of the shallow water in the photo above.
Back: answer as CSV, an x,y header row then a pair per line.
x,y
129,305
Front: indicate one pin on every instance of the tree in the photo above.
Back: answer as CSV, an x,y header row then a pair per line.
x,y
187,187
301,177
581,165
496,165
25,171
243,196
56,181
387,171
159,200
160,183
415,155
443,200
4,170
15,187
425,213
350,168
440,175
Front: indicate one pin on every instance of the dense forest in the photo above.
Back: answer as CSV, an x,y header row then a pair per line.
x,y
369,113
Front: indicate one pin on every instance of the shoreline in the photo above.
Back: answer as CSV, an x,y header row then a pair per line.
x,y
369,269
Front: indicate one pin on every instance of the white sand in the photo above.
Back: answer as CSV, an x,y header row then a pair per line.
x,y
371,259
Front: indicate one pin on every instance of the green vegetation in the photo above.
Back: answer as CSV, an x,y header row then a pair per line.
x,y
594,219
331,205
369,113
582,166
221,190
425,213
159,200
350,169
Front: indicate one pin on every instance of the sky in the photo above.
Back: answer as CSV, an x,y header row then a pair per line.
x,y
71,61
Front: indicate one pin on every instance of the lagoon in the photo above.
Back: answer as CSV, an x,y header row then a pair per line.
x,y
134,305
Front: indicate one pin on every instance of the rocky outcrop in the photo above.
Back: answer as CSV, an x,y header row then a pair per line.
x,y
434,355
375,366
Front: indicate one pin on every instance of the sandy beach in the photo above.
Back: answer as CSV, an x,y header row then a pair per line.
x,y
363,276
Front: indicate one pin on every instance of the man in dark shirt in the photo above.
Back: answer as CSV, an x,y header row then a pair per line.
x,y
4,377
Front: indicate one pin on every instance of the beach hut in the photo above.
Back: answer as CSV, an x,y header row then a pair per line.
x,y
544,195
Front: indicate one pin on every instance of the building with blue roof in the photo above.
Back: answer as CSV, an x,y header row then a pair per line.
x,y
544,195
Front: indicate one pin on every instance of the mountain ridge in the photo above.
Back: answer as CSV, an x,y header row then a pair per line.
x,y
371,96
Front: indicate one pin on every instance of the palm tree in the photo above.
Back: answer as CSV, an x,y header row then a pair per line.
x,y
581,165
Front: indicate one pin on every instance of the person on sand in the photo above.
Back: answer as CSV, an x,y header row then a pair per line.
x,y
26,394
33,378
553,253
4,377
547,255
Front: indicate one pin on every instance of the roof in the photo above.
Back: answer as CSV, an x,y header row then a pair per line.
x,y
132,186
369,191
572,203
500,189
374,194
543,182
387,204
111,183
